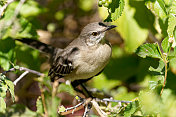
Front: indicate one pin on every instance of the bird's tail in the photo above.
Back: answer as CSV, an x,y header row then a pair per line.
x,y
42,47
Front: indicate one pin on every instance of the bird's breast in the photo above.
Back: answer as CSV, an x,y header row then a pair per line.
x,y
91,61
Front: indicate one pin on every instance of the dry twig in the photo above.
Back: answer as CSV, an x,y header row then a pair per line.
x,y
85,103
23,74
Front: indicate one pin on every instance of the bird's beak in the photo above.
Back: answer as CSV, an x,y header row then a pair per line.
x,y
110,27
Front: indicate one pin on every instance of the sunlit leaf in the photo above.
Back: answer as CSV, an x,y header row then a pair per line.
x,y
62,109
115,8
158,8
148,50
152,84
3,89
149,102
6,53
172,64
66,88
166,45
2,105
129,29
31,8
172,23
101,82
16,27
155,85
10,88
39,105
131,108
159,68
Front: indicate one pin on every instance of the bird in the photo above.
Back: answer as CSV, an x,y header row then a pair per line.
x,y
85,57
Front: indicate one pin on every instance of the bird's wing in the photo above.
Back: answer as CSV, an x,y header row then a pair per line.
x,y
63,63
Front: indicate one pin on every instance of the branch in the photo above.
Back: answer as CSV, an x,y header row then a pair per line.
x,y
87,104
19,78
100,112
23,69
43,101
111,100
87,109
165,77
76,107
23,74
5,6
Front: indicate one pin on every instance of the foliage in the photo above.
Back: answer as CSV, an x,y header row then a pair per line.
x,y
142,68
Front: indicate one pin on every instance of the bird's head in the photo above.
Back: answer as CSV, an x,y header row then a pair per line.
x,y
93,33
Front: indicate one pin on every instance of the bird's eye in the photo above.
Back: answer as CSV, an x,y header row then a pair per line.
x,y
95,33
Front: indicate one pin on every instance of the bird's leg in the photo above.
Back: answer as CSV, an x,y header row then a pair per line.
x,y
79,82
86,91
78,90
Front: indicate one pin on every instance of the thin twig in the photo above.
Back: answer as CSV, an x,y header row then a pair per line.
x,y
31,71
96,106
86,102
87,109
21,76
43,102
165,77
55,87
5,6
111,100
23,69
76,107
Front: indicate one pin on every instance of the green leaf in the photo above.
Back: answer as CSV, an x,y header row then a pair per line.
x,y
19,110
166,45
149,102
160,67
130,30
172,23
158,8
101,82
129,27
26,30
19,28
115,9
3,88
147,21
40,108
31,8
131,108
52,104
62,109
2,105
28,57
6,53
153,84
10,88
172,63
66,88
149,50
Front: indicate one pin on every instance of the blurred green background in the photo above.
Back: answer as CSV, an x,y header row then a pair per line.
x,y
58,22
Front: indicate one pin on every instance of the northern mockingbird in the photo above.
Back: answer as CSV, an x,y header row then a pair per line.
x,y
84,58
